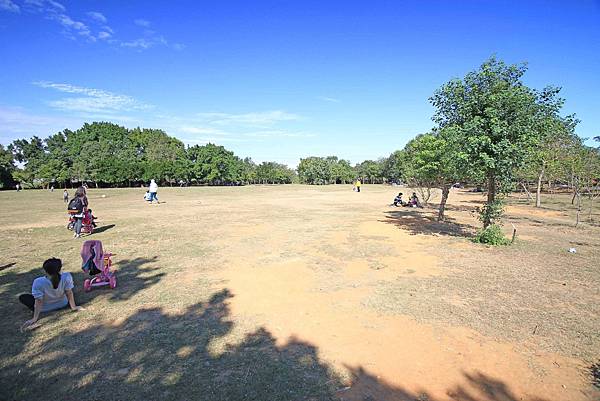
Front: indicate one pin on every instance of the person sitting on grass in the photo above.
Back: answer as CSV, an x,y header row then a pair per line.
x,y
414,201
398,200
50,292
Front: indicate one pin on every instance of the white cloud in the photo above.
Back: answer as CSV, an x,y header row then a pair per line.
x,y
140,43
142,22
256,119
56,5
96,16
328,99
8,5
279,134
76,26
147,42
55,11
45,5
72,28
92,101
189,129
15,121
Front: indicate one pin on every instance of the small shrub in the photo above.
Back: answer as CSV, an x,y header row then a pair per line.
x,y
492,235
492,212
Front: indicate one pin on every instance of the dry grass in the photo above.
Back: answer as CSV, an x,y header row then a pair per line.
x,y
264,293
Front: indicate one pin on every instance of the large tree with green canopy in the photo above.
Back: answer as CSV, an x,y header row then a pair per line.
x,y
430,161
7,168
495,118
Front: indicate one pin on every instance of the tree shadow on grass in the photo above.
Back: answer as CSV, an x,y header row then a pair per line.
x,y
424,222
6,266
153,355
132,277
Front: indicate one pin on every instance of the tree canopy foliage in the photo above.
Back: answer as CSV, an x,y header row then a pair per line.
x,y
111,155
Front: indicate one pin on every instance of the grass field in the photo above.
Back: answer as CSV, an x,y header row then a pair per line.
x,y
303,293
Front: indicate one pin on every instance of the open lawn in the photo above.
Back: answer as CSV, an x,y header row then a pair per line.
x,y
303,293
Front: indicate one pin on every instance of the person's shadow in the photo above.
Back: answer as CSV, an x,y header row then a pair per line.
x,y
102,229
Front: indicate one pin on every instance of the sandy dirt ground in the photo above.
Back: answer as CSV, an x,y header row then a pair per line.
x,y
401,307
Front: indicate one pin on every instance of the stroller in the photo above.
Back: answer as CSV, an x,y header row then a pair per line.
x,y
88,223
97,264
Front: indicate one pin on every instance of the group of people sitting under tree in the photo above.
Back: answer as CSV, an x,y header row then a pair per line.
x,y
413,201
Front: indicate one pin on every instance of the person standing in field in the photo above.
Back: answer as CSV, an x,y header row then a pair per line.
x,y
18,187
80,204
357,185
66,196
153,189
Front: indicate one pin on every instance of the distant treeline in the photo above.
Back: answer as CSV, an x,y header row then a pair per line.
x,y
491,130
106,154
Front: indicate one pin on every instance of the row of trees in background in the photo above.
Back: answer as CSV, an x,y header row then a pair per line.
x,y
107,154
331,170
110,155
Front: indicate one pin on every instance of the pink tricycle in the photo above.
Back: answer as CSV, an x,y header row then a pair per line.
x,y
97,264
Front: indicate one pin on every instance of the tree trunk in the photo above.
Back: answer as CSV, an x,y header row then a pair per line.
x,y
526,191
445,193
578,209
491,197
538,192
591,205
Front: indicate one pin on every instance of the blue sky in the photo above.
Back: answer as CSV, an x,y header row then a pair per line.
x,y
279,80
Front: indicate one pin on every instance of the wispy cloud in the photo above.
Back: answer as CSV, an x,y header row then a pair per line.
x,y
140,43
142,22
328,99
92,101
251,127
97,16
264,118
15,121
190,129
55,11
149,38
279,134
97,29
8,5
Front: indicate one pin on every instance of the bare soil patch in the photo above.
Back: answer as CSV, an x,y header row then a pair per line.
x,y
304,293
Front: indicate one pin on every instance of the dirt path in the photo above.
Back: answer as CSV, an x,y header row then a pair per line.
x,y
308,279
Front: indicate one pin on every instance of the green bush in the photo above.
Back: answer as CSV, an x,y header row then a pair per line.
x,y
492,235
